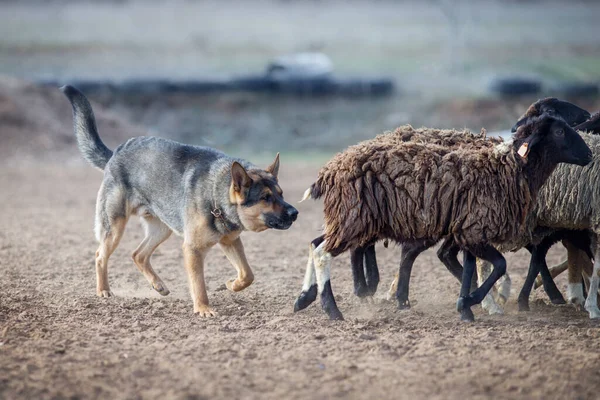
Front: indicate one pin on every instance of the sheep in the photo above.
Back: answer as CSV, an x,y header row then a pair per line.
x,y
363,287
578,210
407,192
576,240
367,285
577,243
577,260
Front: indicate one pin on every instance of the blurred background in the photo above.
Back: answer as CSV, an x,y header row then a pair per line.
x,y
306,78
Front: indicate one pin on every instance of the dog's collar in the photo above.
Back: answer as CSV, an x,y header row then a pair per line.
x,y
219,215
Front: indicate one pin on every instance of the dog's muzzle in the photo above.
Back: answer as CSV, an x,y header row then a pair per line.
x,y
284,221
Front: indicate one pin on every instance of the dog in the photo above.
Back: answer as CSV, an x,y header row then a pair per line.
x,y
197,192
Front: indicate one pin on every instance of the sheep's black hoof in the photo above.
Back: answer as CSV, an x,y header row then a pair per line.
x,y
372,287
467,315
306,298
403,304
558,300
335,315
328,303
362,291
523,305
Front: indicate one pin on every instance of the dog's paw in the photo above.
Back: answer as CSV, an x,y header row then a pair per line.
x,y
236,285
161,288
104,293
205,312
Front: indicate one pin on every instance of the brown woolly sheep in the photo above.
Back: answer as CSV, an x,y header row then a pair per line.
x,y
363,260
448,140
410,193
576,241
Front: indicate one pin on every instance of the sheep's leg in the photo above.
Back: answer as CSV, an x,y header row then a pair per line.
x,y
323,272
591,303
575,278
391,293
532,272
462,305
447,254
309,287
555,270
538,265
540,258
578,262
550,287
358,272
371,269
503,285
484,269
410,251
466,300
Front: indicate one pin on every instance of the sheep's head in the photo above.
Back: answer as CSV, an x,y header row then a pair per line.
x,y
569,112
553,139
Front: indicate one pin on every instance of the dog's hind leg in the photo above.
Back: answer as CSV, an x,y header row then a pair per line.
x,y
111,218
156,233
234,251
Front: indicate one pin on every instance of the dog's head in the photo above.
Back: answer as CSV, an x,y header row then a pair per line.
x,y
259,198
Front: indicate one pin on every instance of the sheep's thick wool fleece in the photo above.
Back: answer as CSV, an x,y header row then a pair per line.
x,y
398,187
570,198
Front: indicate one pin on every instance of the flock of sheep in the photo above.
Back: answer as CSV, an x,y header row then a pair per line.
x,y
476,194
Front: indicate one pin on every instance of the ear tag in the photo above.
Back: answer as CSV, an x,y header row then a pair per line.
x,y
524,150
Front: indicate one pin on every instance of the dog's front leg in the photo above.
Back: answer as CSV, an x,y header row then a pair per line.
x,y
234,250
194,265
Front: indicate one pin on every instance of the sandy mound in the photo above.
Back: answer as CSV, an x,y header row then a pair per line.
x,y
36,123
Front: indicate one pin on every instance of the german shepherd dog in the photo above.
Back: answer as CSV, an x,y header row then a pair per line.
x,y
197,192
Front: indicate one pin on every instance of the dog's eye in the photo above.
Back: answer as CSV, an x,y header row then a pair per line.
x,y
267,198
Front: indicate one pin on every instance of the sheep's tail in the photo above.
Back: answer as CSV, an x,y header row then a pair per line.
x,y
313,192
91,147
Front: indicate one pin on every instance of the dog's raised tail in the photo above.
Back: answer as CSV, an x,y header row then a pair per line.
x,y
93,150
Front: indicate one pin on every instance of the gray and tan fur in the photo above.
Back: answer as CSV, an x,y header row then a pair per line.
x,y
197,192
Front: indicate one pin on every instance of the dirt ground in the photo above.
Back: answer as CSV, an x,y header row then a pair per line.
x,y
58,340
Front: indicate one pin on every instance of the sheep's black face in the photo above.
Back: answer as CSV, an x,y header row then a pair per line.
x,y
561,142
569,112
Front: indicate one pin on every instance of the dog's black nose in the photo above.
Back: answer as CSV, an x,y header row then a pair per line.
x,y
292,213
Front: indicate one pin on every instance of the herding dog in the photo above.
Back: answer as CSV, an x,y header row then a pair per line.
x,y
197,192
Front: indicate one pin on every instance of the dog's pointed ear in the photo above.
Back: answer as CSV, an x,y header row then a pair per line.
x,y
239,177
273,169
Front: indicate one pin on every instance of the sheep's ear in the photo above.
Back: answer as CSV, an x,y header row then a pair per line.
x,y
273,169
239,177
572,114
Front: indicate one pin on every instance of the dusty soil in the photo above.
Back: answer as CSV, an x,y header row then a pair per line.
x,y
58,340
